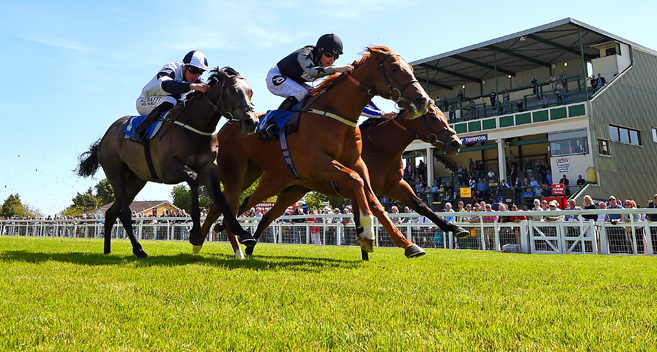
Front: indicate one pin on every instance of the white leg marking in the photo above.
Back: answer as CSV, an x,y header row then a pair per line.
x,y
239,254
367,222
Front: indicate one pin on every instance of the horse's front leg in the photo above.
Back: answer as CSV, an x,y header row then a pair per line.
x,y
211,180
411,249
329,169
403,193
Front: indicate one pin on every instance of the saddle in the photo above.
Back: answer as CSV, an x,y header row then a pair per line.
x,y
134,121
276,120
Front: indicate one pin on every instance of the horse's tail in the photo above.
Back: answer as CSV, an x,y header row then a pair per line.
x,y
88,161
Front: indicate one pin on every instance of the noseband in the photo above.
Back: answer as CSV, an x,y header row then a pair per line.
x,y
431,137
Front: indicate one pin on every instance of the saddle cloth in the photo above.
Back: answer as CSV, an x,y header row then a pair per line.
x,y
275,120
134,121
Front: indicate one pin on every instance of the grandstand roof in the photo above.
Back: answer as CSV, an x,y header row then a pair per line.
x,y
525,50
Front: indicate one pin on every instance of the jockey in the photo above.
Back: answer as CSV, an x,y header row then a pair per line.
x,y
171,85
372,111
289,76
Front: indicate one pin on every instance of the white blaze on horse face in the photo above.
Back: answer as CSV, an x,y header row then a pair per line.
x,y
367,222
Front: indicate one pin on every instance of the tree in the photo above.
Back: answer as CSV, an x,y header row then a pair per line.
x,y
181,196
12,206
90,200
104,192
315,200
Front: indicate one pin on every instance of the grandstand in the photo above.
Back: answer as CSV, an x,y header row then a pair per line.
x,y
607,134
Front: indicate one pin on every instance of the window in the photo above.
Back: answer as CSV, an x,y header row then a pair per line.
x,y
654,135
568,142
603,147
625,135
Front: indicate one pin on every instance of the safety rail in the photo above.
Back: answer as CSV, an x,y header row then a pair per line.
x,y
631,237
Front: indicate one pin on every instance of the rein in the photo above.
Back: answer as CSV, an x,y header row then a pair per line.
x,y
225,113
372,91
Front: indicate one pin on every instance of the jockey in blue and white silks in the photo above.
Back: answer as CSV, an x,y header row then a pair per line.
x,y
372,111
169,86
289,76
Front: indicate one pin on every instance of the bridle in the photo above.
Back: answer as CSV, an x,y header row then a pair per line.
x,y
229,115
389,95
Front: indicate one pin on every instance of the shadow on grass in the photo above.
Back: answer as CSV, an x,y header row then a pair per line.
x,y
260,262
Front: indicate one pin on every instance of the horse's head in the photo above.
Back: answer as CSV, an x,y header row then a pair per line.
x,y
395,80
432,128
235,98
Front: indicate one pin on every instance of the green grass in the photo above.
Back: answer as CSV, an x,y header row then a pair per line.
x,y
64,294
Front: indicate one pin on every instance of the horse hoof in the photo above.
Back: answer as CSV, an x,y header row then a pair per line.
x,y
248,240
140,253
196,249
249,250
460,232
238,254
414,251
366,245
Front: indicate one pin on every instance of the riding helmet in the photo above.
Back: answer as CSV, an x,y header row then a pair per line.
x,y
197,59
330,42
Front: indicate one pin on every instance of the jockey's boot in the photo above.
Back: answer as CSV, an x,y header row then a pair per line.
x,y
288,103
139,134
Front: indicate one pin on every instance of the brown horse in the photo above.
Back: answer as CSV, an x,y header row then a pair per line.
x,y
383,145
184,152
325,147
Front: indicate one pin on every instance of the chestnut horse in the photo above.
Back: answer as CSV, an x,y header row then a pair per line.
x,y
324,147
184,152
383,145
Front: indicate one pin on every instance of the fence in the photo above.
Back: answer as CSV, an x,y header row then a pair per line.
x,y
545,237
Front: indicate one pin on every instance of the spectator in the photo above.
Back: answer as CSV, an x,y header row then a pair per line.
x,y
520,107
602,206
493,98
564,81
652,205
544,102
546,191
553,206
445,104
580,180
534,185
473,109
600,81
566,184
548,177
630,204
438,103
459,97
594,83
516,218
510,160
528,193
535,87
475,218
588,205
451,111
339,231
506,102
572,205
557,92
491,174
552,79
448,209
614,204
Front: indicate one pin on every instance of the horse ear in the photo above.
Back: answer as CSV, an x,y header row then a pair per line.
x,y
221,75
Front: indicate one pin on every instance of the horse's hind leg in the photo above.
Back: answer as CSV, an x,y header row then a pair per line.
x,y
126,188
110,218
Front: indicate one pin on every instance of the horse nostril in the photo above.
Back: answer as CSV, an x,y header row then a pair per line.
x,y
456,144
422,100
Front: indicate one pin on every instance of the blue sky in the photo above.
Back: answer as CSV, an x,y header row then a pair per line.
x,y
74,67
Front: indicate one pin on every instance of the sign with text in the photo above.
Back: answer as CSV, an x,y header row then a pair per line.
x,y
558,189
563,165
465,192
475,139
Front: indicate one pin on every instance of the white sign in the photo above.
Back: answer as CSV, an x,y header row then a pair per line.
x,y
563,166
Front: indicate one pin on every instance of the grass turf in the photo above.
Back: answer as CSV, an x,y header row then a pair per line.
x,y
64,294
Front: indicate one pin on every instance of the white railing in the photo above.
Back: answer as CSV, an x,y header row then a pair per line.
x,y
543,237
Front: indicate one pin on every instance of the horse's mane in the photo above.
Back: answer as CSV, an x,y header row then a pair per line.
x,y
216,75
370,50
